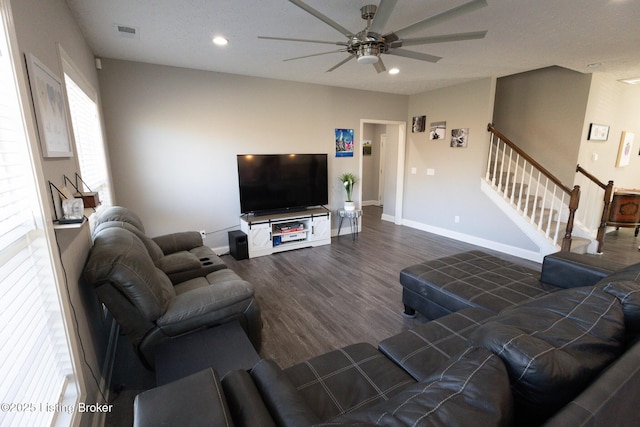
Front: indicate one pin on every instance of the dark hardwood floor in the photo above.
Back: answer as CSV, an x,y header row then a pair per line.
x,y
319,299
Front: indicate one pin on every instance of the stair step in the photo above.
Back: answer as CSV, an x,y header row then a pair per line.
x,y
579,245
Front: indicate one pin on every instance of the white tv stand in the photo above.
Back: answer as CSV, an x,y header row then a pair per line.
x,y
268,234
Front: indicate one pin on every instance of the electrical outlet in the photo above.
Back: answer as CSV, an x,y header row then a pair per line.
x,y
203,233
456,219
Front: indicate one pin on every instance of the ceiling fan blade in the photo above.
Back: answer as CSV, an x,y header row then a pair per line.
x,y
444,38
441,17
382,15
322,17
314,54
379,66
414,55
341,63
302,40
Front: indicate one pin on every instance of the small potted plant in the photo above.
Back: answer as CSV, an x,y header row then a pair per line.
x,y
348,181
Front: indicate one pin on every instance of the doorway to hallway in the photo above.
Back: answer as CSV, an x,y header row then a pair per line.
x,y
381,166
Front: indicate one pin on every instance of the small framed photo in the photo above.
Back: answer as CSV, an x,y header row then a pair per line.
x,y
459,138
438,131
419,124
598,132
366,147
624,151
51,114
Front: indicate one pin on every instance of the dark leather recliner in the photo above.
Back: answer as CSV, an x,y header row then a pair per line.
x,y
150,309
182,255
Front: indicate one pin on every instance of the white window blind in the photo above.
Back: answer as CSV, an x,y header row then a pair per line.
x,y
87,131
36,374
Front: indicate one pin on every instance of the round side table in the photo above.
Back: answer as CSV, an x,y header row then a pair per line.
x,y
353,217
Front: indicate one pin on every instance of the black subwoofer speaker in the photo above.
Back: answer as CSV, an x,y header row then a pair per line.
x,y
238,245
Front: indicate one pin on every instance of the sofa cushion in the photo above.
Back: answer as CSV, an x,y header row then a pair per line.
x,y
631,272
205,301
473,279
628,293
472,389
152,247
119,213
354,377
118,257
422,350
554,346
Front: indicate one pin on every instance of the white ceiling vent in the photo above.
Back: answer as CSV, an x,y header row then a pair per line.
x,y
127,31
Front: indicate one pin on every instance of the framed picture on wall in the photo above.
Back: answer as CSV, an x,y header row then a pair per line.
x,y
366,147
51,114
418,124
624,151
459,138
438,130
598,132
344,142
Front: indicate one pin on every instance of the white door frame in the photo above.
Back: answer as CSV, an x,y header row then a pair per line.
x,y
381,168
402,141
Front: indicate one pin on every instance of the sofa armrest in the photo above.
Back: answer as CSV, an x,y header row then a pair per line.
x,y
196,400
245,403
569,270
283,400
175,242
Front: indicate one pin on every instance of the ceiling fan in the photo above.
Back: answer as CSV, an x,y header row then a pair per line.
x,y
368,44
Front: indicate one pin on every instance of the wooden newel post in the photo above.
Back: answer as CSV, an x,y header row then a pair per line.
x,y
608,193
573,206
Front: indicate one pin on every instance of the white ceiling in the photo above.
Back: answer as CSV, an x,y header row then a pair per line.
x,y
522,35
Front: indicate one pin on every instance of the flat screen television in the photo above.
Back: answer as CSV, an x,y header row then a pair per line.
x,y
280,182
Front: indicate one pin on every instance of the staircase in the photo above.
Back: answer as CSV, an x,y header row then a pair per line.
x,y
533,198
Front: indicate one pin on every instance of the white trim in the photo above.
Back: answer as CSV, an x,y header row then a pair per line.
x,y
402,143
478,241
44,213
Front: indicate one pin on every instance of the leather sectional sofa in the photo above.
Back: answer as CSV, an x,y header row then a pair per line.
x,y
163,288
566,358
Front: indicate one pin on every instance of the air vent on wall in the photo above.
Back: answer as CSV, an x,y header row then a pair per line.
x,y
127,31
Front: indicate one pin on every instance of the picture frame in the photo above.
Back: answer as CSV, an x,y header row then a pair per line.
x,y
459,138
344,142
438,131
418,124
366,147
598,132
624,151
51,115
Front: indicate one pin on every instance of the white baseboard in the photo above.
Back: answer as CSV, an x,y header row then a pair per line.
x,y
387,217
478,241
370,203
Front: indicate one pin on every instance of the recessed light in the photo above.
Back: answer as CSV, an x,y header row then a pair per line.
x,y
394,71
631,81
220,41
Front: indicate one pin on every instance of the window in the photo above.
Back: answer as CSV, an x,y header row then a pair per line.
x,y
37,379
85,120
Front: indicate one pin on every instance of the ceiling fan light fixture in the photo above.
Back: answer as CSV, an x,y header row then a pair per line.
x,y
368,54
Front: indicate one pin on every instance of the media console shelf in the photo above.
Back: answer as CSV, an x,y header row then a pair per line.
x,y
268,234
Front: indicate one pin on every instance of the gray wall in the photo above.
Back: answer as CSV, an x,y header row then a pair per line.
x,y
542,111
40,27
433,201
618,105
174,134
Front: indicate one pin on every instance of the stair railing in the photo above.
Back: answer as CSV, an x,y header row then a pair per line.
x,y
532,189
606,202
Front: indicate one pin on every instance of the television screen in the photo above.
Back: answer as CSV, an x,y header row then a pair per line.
x,y
270,182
